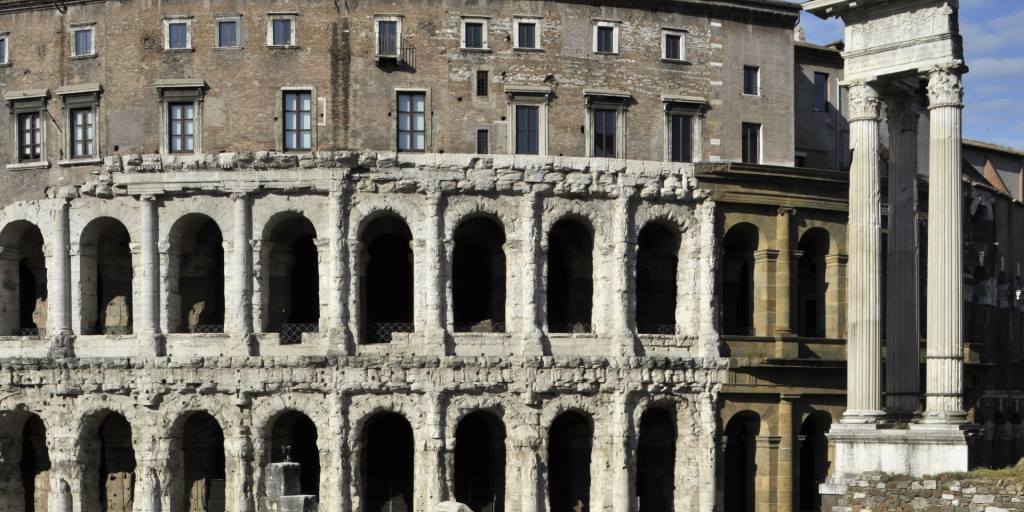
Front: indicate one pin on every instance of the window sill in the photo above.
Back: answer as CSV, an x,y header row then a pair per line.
x,y
676,61
227,48
5,64
610,54
178,50
80,161
751,95
517,49
475,50
28,166
283,46
84,57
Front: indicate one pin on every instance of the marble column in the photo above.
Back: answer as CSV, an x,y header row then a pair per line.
x,y
341,340
903,366
430,288
531,254
864,298
60,291
623,289
944,386
784,273
241,263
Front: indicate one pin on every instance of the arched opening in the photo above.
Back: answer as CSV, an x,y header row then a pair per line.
x,y
105,277
388,463
23,274
34,465
570,286
657,259
811,285
478,276
656,460
111,462
202,452
570,442
814,459
197,255
480,462
293,438
740,461
387,281
293,278
738,280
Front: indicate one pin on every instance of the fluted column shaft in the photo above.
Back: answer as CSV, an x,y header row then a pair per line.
x,y
903,368
944,402
241,259
864,358
783,273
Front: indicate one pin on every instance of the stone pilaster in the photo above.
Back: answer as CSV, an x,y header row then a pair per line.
x,y
945,386
340,337
241,264
864,358
526,446
903,367
532,336
431,289
148,279
623,262
59,284
623,444
787,452
784,272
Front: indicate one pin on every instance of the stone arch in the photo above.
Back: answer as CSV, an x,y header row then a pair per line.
x,y
24,461
657,277
385,277
569,275
290,276
812,283
814,459
738,276
570,441
107,451
657,436
23,296
105,277
479,465
267,411
198,458
463,208
740,461
479,275
361,410
387,462
195,275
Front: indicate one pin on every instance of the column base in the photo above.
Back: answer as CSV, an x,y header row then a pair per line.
x,y
952,418
862,417
916,451
62,345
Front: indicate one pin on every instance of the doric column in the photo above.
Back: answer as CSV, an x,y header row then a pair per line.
x,y
526,442
944,402
764,310
864,357
786,453
60,292
622,447
241,263
622,287
431,323
532,336
902,331
340,338
784,273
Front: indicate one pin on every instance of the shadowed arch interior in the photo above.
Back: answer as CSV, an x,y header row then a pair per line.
x,y
293,300
657,261
478,276
113,465
656,460
480,462
386,287
570,443
23,273
202,447
740,461
34,465
814,459
197,245
294,439
387,463
739,245
105,277
811,283
570,274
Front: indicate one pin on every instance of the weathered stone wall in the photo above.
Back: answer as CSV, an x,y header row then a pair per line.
x,y
881,493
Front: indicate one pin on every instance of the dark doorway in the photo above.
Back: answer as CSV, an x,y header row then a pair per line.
x,y
35,465
656,460
202,446
198,246
388,464
387,283
814,459
738,280
569,447
570,284
480,462
293,302
294,439
657,259
116,464
740,461
478,276
811,283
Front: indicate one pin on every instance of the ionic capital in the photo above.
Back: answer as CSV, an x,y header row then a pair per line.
x,y
945,87
786,210
865,104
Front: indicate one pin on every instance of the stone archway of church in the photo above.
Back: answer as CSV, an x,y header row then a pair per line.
x,y
656,460
570,443
570,277
478,276
480,462
740,462
657,261
387,464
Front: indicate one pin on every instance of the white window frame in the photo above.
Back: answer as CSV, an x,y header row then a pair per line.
x,y
683,35
237,20
83,27
181,91
377,18
5,58
683,106
530,20
25,102
615,35
539,99
619,104
75,97
485,23
171,20
292,17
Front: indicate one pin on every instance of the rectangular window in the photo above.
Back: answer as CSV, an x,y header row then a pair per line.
x,y
605,39
298,121
482,83
82,136
673,46
3,51
181,127
483,142
821,92
604,132
29,137
412,127
177,36
681,138
281,32
83,44
751,80
227,34
527,130
526,35
387,38
751,143
474,35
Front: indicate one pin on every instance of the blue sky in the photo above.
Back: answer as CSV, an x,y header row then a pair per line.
x,y
994,102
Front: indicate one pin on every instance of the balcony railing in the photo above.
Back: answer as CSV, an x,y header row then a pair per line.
x,y
208,329
29,332
292,333
382,332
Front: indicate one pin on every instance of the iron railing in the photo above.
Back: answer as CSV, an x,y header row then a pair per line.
x,y
292,333
381,332
208,329
30,332
668,329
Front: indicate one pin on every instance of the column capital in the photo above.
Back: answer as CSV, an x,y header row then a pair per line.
x,y
235,196
902,113
865,104
945,87
786,210
148,198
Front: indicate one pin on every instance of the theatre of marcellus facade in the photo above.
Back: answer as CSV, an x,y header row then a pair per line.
x,y
389,255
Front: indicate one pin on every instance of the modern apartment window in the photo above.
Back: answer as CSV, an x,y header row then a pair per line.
x,y
751,80
483,142
527,130
4,57
680,138
673,45
482,83
387,38
178,35
181,127
82,136
605,128
526,35
298,121
751,143
227,34
821,92
82,45
474,34
606,38
412,127
30,134
282,31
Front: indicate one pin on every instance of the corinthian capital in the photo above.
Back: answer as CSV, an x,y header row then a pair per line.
x,y
902,113
945,88
864,102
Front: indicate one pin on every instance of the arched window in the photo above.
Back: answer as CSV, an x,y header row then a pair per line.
x,y
202,459
570,286
656,460
34,465
105,277
197,261
387,463
293,278
23,271
570,442
738,280
480,462
741,461
110,465
811,284
657,259
294,439
814,459
478,276
386,289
